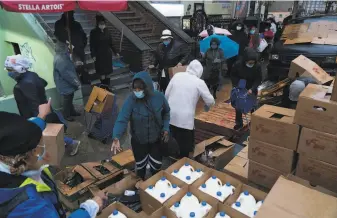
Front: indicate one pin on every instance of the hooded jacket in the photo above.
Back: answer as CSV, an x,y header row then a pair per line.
x,y
239,36
65,76
148,117
253,76
183,93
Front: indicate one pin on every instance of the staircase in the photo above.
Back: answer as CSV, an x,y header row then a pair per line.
x,y
120,78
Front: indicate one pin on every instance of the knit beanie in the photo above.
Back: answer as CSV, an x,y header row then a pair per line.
x,y
295,90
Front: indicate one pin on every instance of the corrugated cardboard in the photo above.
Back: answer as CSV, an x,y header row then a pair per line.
x,y
275,125
319,145
244,152
224,178
124,158
238,168
106,212
304,67
100,100
317,172
334,89
263,175
287,199
228,211
257,194
91,168
174,70
306,183
315,111
177,165
200,147
276,157
163,212
150,204
53,138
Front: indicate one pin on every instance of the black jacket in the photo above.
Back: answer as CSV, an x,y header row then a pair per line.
x,y
169,56
240,37
253,76
29,93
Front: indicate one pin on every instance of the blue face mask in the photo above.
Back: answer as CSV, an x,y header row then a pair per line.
x,y
250,65
12,74
139,94
166,43
252,32
214,46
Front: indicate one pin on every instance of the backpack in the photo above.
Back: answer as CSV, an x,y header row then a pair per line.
x,y
240,100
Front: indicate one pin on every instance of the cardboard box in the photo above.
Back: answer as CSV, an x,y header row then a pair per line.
x,y
173,70
318,145
149,203
244,152
276,157
228,211
306,183
106,212
224,178
274,125
100,100
163,212
334,90
263,175
304,67
177,165
291,200
317,172
107,169
53,138
315,110
238,168
196,192
125,158
257,194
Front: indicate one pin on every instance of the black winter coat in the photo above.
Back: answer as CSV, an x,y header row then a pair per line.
x,y
169,56
101,48
240,37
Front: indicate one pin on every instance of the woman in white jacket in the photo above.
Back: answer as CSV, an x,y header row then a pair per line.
x,y
182,94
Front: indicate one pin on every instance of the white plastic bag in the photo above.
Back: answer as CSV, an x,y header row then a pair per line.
x,y
263,45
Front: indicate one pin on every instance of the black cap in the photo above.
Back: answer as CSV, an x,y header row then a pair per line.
x,y
17,135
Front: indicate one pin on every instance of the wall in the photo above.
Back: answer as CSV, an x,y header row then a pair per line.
x,y
280,6
212,8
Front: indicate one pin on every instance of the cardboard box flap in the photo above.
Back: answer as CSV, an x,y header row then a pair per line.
x,y
239,161
97,98
277,113
225,143
317,92
200,147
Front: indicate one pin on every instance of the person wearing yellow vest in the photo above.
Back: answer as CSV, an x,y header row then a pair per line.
x,y
27,188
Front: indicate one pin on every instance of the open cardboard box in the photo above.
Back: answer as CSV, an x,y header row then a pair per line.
x,y
196,192
257,194
75,192
224,178
124,159
177,165
100,100
275,125
106,212
94,168
228,211
149,203
163,212
315,110
53,138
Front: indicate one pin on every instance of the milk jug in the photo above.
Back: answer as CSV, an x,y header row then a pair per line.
x,y
258,205
213,183
175,208
226,190
163,185
237,206
197,174
117,214
254,214
150,190
204,208
247,201
222,214
174,189
189,201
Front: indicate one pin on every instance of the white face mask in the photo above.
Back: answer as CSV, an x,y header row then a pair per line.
x,y
101,26
238,28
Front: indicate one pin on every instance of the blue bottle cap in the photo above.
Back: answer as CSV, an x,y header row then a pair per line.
x,y
189,194
175,171
228,184
198,170
115,212
163,217
219,194
203,203
203,185
238,204
192,214
255,212
262,201
177,204
187,164
150,187
162,195
174,186
163,178
213,177
188,177
222,214
246,193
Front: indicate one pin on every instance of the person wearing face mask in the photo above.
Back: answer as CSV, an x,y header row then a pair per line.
x,y
240,37
169,53
27,188
246,68
213,59
29,92
149,115
101,49
254,38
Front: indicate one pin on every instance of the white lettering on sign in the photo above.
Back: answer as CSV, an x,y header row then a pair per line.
x,y
50,7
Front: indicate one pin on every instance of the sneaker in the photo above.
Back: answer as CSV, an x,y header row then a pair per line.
x,y
237,127
74,148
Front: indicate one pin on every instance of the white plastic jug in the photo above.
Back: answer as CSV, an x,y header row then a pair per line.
x,y
258,205
214,183
226,191
190,213
163,185
237,206
204,208
197,174
185,170
174,189
189,201
150,190
248,202
222,214
117,214
176,208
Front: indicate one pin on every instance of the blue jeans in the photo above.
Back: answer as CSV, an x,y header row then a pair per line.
x,y
68,140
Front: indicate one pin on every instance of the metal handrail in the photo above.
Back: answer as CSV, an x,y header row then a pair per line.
x,y
40,20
